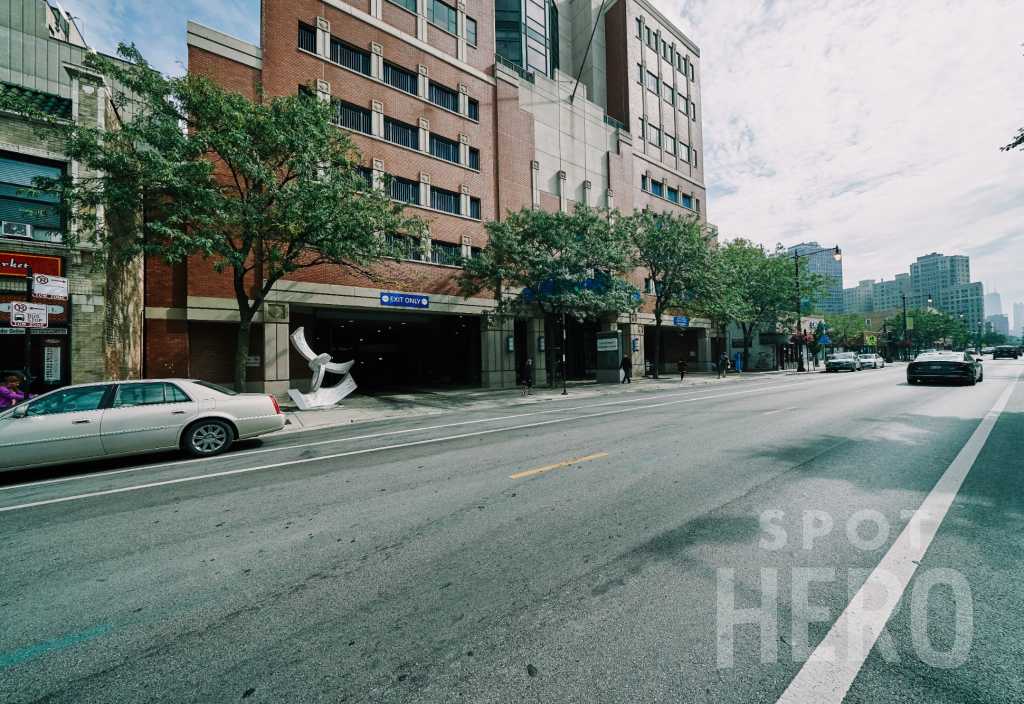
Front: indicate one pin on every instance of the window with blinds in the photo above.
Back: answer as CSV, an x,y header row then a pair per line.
x,y
398,77
444,148
27,212
444,96
353,117
401,133
445,201
350,57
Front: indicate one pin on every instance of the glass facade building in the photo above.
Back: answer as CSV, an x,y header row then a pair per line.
x,y
526,33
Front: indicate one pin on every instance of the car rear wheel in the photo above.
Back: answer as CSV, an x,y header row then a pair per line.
x,y
207,438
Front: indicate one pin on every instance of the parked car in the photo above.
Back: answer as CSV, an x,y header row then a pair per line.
x,y
114,419
946,366
875,361
1006,352
841,361
988,350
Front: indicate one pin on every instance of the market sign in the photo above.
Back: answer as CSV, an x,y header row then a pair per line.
x,y
17,264
46,286
29,315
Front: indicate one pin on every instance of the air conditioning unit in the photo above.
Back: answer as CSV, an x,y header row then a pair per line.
x,y
17,229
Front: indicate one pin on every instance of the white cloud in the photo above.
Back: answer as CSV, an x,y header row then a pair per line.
x,y
868,123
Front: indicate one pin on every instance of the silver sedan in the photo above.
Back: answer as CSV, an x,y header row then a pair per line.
x,y
114,419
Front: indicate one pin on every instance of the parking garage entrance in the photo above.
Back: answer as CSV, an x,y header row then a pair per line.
x,y
393,351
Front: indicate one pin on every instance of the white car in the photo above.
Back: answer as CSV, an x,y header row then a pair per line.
x,y
118,418
874,361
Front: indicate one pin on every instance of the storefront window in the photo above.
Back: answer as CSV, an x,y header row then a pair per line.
x,y
27,213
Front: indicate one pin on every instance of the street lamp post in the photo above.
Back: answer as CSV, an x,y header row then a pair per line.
x,y
837,254
906,332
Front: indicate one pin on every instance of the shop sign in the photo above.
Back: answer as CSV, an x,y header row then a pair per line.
x,y
51,364
607,344
29,315
681,321
43,331
404,300
17,264
46,286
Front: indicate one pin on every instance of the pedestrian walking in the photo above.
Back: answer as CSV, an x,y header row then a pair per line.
x,y
526,378
681,366
11,393
723,365
627,370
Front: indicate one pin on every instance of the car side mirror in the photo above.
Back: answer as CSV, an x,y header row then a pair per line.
x,y
20,411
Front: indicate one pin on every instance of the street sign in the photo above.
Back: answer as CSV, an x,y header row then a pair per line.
x,y
29,315
910,323
681,321
46,286
404,300
872,340
825,340
607,344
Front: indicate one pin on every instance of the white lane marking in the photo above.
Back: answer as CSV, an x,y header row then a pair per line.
x,y
350,453
829,672
442,426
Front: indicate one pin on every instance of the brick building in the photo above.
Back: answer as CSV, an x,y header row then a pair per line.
x,y
96,331
469,123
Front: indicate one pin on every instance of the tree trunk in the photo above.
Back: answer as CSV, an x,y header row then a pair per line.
x,y
748,341
242,349
657,344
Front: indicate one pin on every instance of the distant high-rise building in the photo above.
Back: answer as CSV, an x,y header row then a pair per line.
x,y
860,298
993,304
1018,319
1000,323
887,295
946,282
823,263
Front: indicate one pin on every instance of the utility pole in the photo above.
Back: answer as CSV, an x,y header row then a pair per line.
x,y
565,390
799,317
906,332
29,280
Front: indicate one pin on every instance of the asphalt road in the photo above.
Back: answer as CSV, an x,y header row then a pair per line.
x,y
600,550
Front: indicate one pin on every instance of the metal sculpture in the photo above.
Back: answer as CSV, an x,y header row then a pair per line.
x,y
320,364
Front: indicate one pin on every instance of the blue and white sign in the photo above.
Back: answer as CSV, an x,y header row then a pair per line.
x,y
825,340
404,300
681,321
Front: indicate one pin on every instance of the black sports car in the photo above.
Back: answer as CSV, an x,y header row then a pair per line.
x,y
945,366
1005,352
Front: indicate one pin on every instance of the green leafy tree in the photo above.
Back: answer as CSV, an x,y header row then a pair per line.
x,y
553,263
676,253
847,329
260,188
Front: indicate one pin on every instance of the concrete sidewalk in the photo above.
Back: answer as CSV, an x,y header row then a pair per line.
x,y
359,408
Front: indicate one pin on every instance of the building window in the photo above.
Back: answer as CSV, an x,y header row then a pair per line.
x,y
679,62
643,183
471,30
639,28
474,208
307,38
474,158
445,201
353,117
366,174
693,157
688,201
445,253
445,97
666,51
26,212
692,77
409,5
404,247
657,188
473,108
684,104
684,152
401,133
670,144
443,15
647,35
444,148
668,94
693,111
401,79
405,190
654,135
652,83
350,57
673,194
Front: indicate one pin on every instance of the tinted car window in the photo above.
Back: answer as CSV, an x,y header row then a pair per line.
x,y
174,394
139,395
83,398
216,387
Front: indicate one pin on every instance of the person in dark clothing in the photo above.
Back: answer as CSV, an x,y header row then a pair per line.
x,y
681,366
527,376
627,370
723,365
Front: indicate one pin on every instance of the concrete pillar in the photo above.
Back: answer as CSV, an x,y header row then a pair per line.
x,y
464,200
497,364
323,37
460,51
561,191
464,151
610,198
423,82
323,90
636,333
377,121
276,357
704,358
377,61
378,173
376,8
586,192
424,135
424,190
535,183
463,99
421,20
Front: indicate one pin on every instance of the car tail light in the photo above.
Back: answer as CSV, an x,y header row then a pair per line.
x,y
277,406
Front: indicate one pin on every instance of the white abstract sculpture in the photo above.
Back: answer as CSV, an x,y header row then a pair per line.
x,y
320,364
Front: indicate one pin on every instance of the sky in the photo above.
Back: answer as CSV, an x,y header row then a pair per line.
x,y
871,124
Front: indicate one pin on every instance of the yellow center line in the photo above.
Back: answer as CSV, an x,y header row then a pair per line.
x,y
549,467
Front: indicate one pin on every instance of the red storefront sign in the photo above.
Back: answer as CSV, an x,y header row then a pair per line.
x,y
17,264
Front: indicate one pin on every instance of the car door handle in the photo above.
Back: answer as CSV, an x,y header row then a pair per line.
x,y
80,422
177,413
